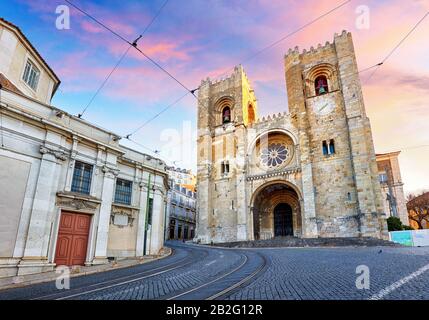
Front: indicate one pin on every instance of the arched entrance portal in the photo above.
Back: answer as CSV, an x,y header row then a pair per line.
x,y
283,225
276,212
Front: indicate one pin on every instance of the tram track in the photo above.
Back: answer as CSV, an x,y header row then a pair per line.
x,y
122,280
241,283
192,272
246,277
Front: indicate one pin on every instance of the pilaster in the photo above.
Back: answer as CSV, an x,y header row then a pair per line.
x,y
35,257
104,214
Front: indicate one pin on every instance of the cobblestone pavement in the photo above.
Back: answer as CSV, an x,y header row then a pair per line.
x,y
330,273
198,272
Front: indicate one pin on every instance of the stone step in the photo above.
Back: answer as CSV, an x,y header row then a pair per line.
x,y
310,242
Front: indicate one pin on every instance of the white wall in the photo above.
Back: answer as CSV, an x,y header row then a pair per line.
x,y
36,168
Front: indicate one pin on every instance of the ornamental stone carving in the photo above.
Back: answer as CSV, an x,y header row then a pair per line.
x,y
109,170
77,204
59,154
122,217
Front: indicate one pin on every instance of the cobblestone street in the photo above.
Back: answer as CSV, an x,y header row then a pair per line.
x,y
198,272
330,273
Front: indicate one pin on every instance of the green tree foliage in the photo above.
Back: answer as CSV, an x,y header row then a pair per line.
x,y
394,224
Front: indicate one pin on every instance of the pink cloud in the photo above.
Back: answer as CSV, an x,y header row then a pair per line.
x,y
396,97
91,27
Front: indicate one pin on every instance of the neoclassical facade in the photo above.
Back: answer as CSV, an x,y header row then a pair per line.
x,y
311,172
70,194
181,206
392,187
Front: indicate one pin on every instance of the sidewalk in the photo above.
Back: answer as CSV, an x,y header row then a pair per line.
x,y
77,271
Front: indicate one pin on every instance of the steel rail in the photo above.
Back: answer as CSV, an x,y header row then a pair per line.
x,y
241,282
103,284
232,287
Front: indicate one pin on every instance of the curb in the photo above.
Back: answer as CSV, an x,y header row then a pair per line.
x,y
103,268
296,247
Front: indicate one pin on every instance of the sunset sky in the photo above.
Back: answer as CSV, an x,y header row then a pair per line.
x,y
196,39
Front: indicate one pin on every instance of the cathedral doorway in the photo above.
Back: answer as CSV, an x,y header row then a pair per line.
x,y
283,225
276,211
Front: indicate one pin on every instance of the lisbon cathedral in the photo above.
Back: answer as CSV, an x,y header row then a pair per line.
x,y
310,172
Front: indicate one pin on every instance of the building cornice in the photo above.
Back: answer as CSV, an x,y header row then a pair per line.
x,y
39,119
272,174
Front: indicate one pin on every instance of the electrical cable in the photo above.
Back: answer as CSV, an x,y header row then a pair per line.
x,y
134,44
396,47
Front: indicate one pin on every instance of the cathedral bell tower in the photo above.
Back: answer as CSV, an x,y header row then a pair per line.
x,y
337,152
225,109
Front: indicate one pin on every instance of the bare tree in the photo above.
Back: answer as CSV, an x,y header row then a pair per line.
x,y
418,208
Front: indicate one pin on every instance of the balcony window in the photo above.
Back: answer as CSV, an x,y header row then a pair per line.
x,y
31,75
81,178
123,191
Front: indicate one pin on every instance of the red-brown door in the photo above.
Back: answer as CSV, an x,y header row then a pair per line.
x,y
72,239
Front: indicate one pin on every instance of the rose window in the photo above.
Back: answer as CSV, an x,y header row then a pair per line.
x,y
275,155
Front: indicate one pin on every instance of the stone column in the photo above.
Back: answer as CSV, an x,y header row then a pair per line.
x,y
242,226
69,175
157,227
204,210
240,165
100,255
142,215
309,225
167,215
35,258
251,228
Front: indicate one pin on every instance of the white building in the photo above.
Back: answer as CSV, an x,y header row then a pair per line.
x,y
181,208
392,187
70,194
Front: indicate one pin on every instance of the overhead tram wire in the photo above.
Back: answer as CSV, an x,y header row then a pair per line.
x,y
288,36
264,49
247,59
174,78
104,83
156,116
157,153
135,47
134,44
122,58
155,17
397,46
182,97
376,66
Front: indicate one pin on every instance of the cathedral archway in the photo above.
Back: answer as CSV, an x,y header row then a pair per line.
x,y
276,211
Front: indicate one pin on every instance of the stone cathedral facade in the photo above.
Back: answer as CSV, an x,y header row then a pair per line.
x,y
310,172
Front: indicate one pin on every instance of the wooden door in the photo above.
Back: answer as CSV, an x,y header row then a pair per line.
x,y
72,239
283,225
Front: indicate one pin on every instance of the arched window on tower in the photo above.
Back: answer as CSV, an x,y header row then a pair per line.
x,y
328,147
226,115
321,85
331,146
325,148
